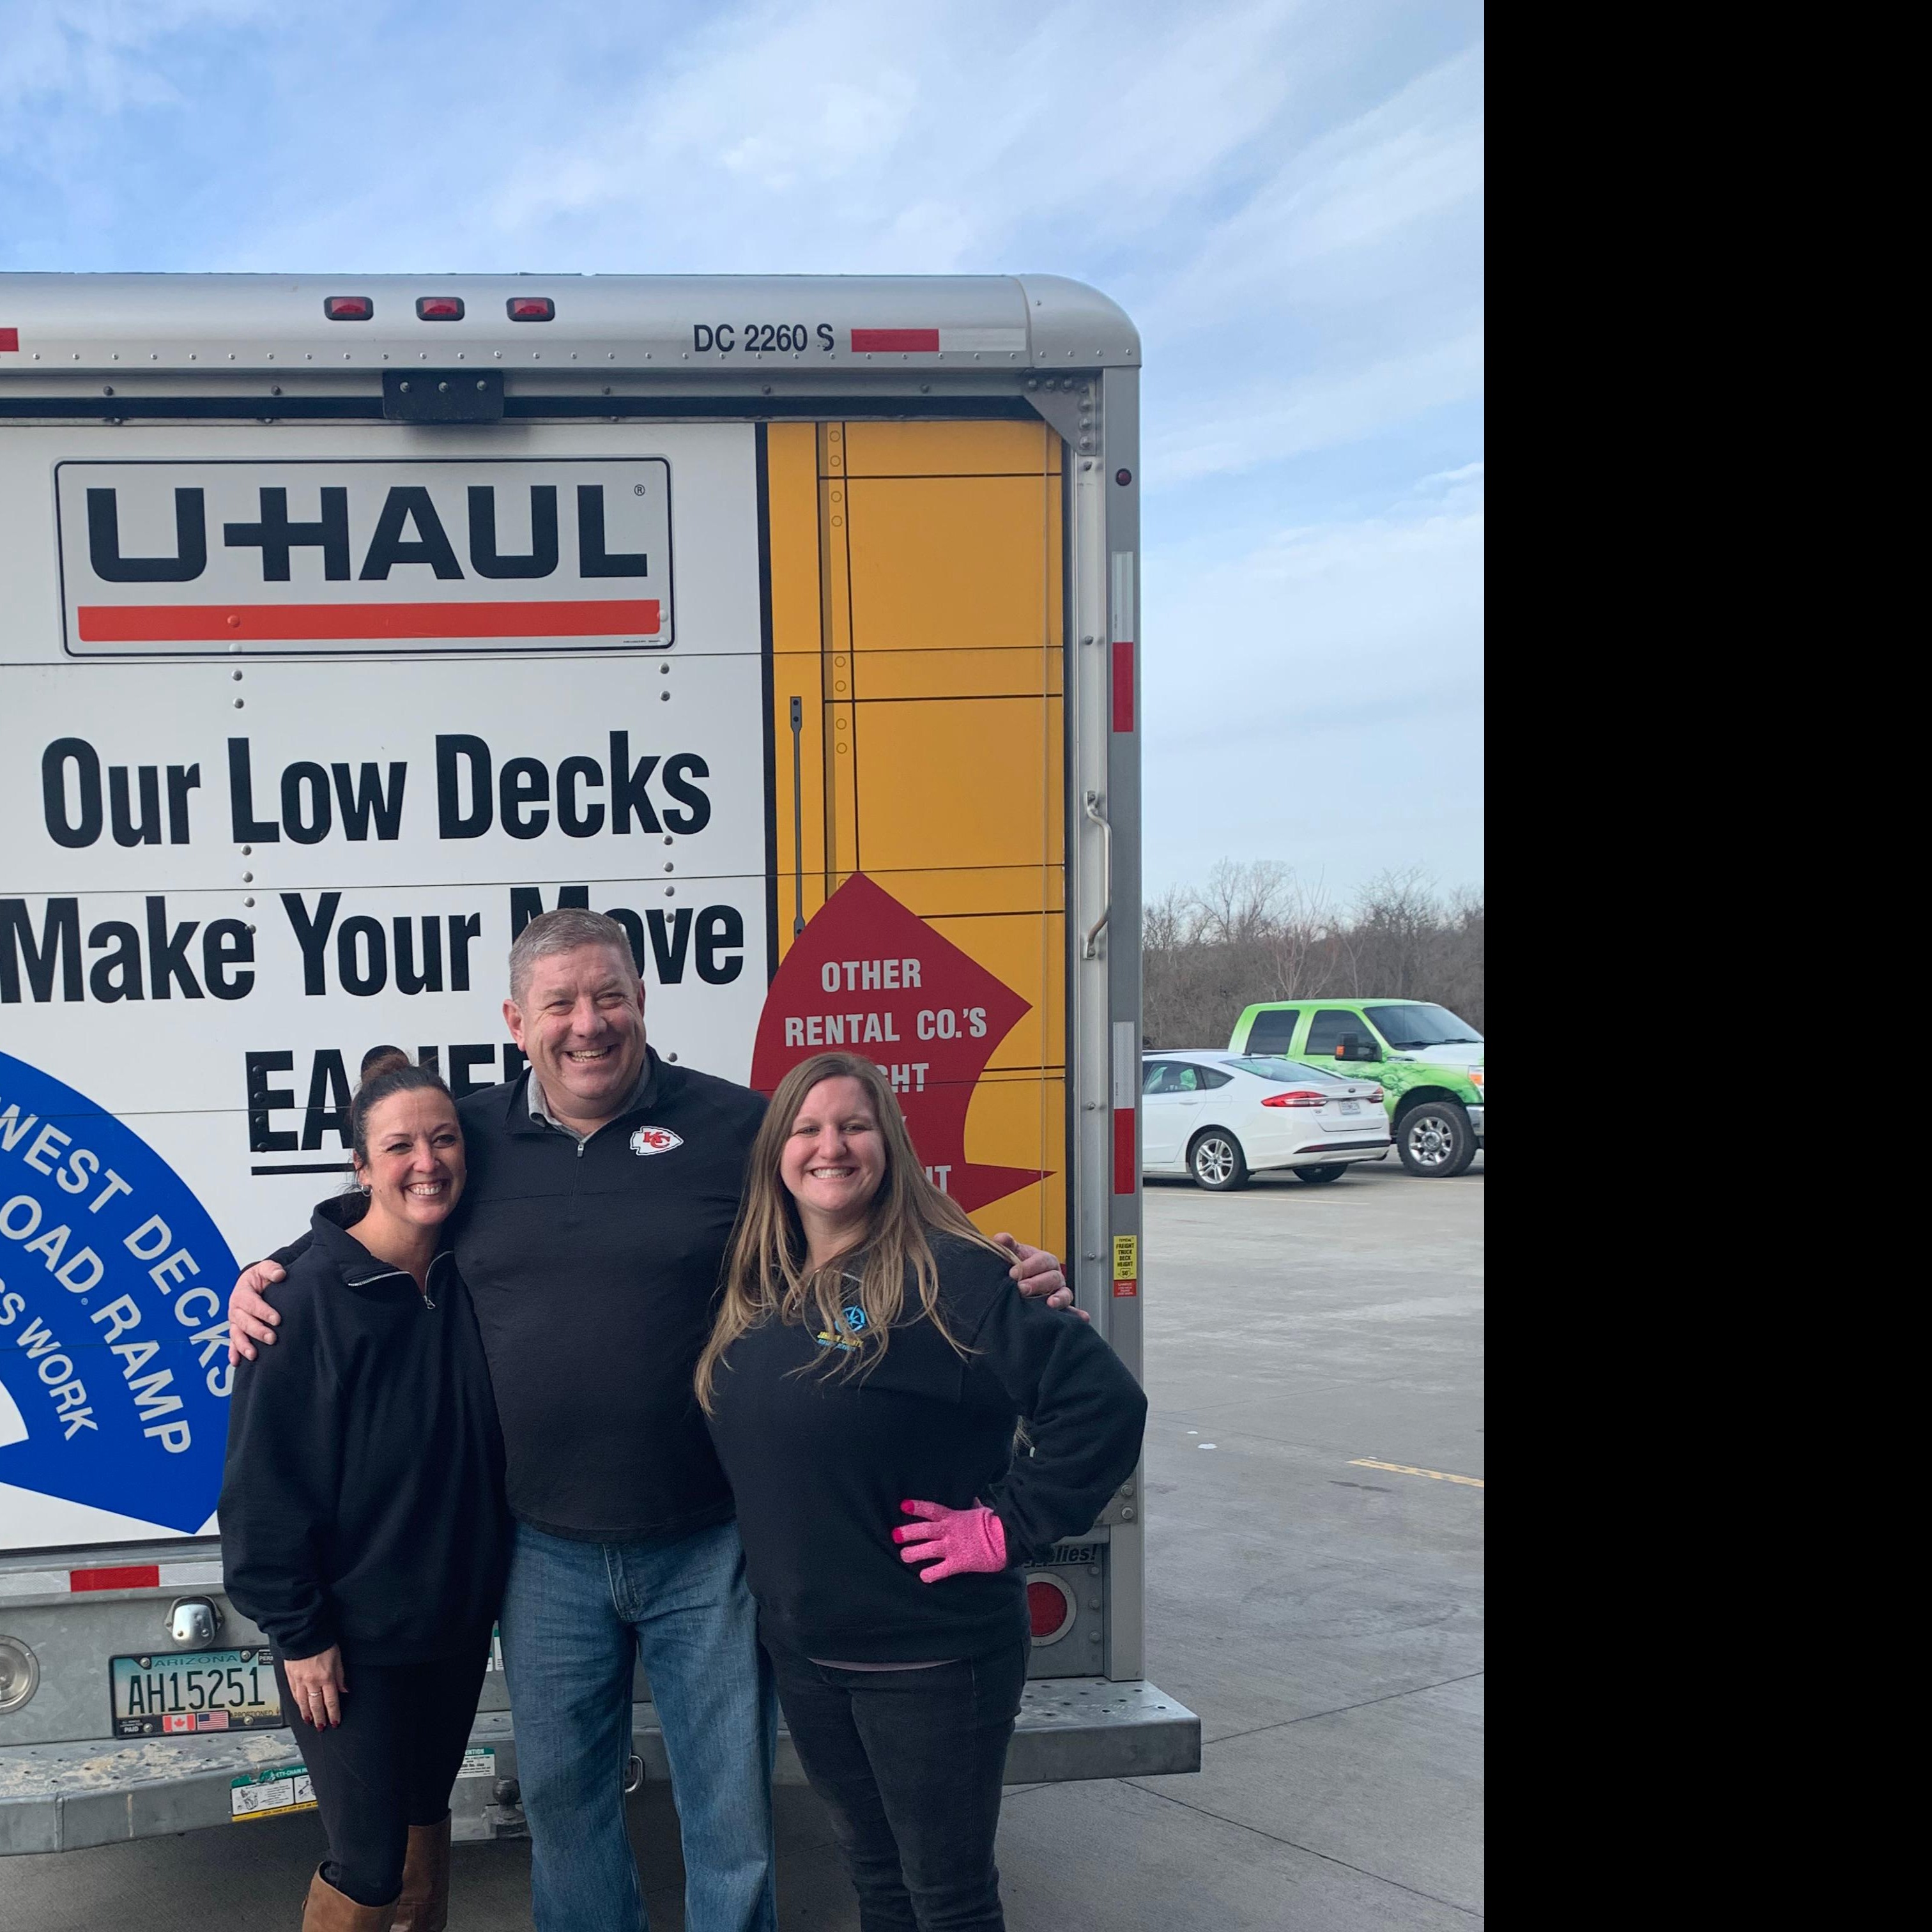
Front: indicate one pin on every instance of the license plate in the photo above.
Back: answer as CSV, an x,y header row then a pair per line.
x,y
173,1692
1352,1106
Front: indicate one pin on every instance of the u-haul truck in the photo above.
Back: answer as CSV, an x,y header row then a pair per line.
x,y
345,625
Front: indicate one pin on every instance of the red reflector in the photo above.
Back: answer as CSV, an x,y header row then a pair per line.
x,y
1049,1609
1125,1173
10,341
919,341
348,308
438,308
1124,687
1300,1097
530,308
135,1576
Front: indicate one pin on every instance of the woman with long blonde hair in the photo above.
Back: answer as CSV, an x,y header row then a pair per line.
x,y
871,1362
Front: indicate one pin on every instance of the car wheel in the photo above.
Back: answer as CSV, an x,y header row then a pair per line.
x,y
1435,1140
1215,1159
1314,1173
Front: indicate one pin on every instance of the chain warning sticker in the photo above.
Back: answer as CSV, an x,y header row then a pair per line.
x,y
270,1794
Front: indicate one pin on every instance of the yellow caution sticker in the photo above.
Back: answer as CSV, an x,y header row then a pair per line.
x,y
270,1794
1126,1265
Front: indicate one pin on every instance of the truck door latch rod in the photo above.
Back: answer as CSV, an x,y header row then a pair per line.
x,y
1090,948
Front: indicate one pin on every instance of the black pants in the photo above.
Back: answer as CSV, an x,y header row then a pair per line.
x,y
388,1764
910,1764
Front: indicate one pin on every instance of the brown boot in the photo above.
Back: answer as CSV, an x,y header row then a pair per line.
x,y
425,1904
328,1910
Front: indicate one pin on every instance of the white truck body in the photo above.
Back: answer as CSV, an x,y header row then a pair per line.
x,y
794,621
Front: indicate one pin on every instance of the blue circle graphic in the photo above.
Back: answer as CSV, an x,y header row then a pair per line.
x,y
114,1280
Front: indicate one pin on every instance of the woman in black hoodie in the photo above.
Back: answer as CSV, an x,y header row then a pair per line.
x,y
363,1523
870,1363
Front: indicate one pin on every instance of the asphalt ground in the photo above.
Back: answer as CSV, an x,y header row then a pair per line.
x,y
1313,1592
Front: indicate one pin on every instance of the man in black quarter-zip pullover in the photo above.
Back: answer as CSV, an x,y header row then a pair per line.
x,y
603,1186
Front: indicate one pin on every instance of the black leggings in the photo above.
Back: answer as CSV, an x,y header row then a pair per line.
x,y
388,1764
910,1763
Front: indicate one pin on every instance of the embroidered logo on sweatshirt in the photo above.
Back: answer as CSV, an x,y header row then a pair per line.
x,y
655,1140
855,1321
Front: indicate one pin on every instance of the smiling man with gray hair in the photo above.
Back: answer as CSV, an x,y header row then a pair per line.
x,y
604,1184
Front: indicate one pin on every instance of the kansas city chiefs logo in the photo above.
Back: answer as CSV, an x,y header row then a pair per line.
x,y
655,1140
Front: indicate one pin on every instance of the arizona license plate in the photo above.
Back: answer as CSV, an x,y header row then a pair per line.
x,y
173,1692
1352,1106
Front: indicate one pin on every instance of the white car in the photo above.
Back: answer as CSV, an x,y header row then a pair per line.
x,y
1221,1116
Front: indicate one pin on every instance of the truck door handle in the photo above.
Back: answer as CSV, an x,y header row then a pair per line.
x,y
1092,803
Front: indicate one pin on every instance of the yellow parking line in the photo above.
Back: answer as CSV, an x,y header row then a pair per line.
x,y
1404,1469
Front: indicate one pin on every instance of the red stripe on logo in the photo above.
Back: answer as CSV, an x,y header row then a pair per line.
x,y
10,340
135,1576
915,339
285,623
1124,687
1125,1173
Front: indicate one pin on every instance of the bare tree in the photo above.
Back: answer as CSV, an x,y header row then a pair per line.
x,y
1255,931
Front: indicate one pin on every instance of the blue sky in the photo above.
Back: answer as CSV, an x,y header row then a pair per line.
x,y
1287,199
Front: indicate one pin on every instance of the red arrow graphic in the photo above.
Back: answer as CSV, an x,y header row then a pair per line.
x,y
870,975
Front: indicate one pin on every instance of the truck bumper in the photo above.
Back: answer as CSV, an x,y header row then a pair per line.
x,y
60,1798
1476,1121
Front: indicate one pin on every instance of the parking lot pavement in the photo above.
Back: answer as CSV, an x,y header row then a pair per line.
x,y
1325,1618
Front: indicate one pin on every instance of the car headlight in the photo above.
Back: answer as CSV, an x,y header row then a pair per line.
x,y
20,1674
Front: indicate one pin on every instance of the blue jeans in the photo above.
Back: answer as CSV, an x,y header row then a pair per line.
x,y
576,1618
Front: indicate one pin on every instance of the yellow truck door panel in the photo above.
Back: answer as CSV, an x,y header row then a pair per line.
x,y
916,619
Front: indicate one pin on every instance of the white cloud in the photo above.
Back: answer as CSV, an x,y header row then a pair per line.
x,y
1286,196
1324,688
1339,299
91,54
1269,420
1301,237
945,130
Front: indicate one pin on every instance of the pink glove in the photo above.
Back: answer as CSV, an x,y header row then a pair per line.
x,y
963,1540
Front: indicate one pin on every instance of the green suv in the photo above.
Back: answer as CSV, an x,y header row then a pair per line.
x,y
1428,1062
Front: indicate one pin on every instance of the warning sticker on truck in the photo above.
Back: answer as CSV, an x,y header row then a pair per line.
x,y
270,1794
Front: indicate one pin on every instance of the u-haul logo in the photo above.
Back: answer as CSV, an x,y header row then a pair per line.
x,y
159,557
655,1140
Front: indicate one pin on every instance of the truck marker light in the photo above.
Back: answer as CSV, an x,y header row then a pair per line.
x,y
438,308
348,308
880,341
1301,1097
1049,1607
10,341
132,1576
530,308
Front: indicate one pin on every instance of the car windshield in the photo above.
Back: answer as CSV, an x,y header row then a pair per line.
x,y
1410,1026
1284,1070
